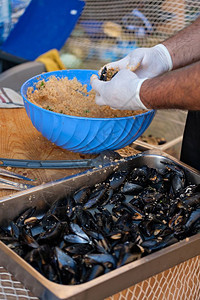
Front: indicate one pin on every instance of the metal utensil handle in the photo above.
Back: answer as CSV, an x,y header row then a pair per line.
x,y
7,184
7,173
46,164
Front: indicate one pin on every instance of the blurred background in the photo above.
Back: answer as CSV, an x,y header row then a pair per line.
x,y
108,30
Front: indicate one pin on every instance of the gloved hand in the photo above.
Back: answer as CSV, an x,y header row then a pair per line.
x,y
121,92
145,62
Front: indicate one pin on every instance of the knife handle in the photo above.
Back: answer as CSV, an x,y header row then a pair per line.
x,y
45,164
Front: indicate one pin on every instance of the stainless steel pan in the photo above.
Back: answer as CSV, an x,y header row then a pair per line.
x,y
114,281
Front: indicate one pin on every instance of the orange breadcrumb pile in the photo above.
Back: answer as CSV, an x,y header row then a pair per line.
x,y
70,97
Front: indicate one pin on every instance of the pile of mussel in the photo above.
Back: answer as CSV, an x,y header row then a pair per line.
x,y
97,229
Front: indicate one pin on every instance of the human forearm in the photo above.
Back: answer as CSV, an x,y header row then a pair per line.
x,y
184,47
176,89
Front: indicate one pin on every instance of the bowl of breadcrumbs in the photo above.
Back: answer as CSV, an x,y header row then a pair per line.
x,y
61,105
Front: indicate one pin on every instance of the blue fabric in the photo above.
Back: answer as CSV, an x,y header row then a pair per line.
x,y
46,24
17,9
5,19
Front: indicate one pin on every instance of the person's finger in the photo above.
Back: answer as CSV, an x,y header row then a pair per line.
x,y
135,62
134,67
93,77
119,64
96,84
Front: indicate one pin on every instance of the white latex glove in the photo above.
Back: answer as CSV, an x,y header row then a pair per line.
x,y
145,62
121,92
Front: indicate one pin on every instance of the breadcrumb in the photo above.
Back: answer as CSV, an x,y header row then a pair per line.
x,y
70,97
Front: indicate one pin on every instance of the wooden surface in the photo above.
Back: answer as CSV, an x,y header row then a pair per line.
x,y
20,140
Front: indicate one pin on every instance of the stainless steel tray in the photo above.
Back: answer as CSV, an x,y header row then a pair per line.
x,y
114,281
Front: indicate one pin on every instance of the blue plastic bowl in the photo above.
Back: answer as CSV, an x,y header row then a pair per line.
x,y
80,134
